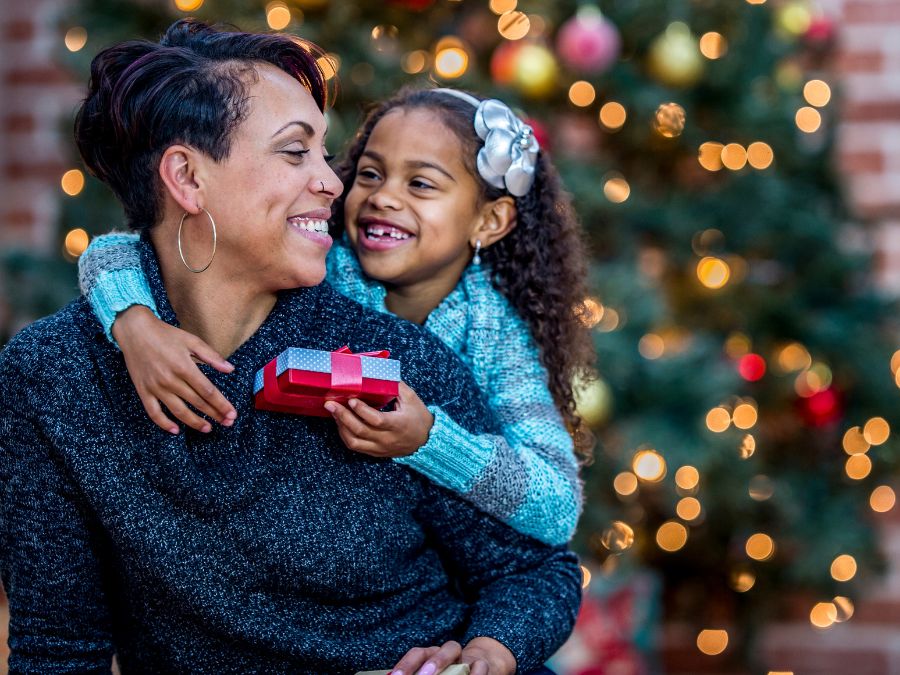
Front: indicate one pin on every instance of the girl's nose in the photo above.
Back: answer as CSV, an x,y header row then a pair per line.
x,y
384,198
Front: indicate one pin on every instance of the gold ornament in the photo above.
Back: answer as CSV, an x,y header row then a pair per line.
x,y
535,71
675,58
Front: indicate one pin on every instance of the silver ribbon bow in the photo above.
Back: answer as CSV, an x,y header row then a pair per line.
x,y
510,150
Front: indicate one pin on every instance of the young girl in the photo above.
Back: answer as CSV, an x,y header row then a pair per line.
x,y
452,218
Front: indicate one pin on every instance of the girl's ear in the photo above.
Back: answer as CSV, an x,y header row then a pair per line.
x,y
498,218
178,169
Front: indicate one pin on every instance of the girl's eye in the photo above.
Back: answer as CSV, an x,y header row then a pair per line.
x,y
368,174
422,185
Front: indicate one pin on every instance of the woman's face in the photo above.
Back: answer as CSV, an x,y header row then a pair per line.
x,y
271,197
413,205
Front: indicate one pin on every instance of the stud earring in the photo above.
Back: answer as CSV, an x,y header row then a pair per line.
x,y
476,259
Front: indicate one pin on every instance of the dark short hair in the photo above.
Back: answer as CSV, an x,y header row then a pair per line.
x,y
190,88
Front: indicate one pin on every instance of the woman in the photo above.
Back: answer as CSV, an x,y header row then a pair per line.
x,y
265,545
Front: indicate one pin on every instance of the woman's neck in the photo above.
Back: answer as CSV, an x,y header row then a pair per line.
x,y
222,311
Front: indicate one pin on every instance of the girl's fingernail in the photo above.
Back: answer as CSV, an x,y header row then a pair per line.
x,y
396,672
206,428
173,430
231,415
353,403
427,669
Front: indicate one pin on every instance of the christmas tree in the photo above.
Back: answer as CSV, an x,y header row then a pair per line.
x,y
743,407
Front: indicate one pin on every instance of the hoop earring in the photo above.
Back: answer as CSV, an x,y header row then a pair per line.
x,y
212,222
476,259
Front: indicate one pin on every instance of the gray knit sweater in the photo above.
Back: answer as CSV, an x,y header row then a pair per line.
x,y
266,547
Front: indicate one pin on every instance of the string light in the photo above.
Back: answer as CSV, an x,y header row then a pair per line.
x,y
843,568
742,580
712,642
502,6
618,537
854,443
713,272
582,93
748,446
823,615
278,15
75,39
793,357
669,120
718,419
651,346
737,345
710,156
616,189
671,536
451,62
713,45
844,607
761,488
625,483
415,62
590,312
760,155
613,115
876,431
808,119
744,416
760,546
72,182
688,508
585,576
817,93
76,242
329,64
610,320
513,25
384,38
882,499
188,5
687,478
649,466
734,156
858,467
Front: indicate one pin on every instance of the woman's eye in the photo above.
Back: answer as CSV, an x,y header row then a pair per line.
x,y
298,154
329,158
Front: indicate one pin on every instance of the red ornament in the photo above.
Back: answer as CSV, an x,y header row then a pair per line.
x,y
822,408
540,132
822,31
414,5
503,63
752,367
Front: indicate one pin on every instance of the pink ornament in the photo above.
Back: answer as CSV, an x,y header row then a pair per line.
x,y
588,42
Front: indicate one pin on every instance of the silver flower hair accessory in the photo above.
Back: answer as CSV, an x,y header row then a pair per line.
x,y
510,150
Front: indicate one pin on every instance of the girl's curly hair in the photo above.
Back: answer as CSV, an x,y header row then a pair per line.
x,y
540,266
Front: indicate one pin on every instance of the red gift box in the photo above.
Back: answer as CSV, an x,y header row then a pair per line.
x,y
300,381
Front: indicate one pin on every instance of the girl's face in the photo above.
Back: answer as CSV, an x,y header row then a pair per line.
x,y
414,205
272,195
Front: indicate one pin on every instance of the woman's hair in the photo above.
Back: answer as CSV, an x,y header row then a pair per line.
x,y
540,266
191,87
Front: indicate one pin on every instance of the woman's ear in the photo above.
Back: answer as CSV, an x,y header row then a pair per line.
x,y
498,218
178,170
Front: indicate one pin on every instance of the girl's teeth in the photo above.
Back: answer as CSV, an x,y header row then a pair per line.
x,y
377,231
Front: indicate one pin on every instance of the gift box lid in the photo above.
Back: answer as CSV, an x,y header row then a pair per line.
x,y
319,361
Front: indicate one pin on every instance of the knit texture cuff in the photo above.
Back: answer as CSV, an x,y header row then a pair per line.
x,y
115,292
452,457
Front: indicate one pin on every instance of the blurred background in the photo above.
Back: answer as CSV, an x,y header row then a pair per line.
x,y
736,166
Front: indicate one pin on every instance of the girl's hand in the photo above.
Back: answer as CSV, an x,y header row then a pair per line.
x,y
160,361
397,433
487,656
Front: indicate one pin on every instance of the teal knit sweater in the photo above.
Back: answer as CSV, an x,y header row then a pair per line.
x,y
526,476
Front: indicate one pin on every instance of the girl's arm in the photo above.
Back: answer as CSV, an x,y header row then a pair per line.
x,y
161,359
527,476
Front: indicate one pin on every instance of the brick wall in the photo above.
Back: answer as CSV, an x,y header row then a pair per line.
x,y
35,94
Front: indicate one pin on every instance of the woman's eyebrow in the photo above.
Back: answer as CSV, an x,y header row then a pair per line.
x,y
412,163
306,126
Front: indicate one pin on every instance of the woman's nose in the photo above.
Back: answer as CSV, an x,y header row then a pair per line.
x,y
328,183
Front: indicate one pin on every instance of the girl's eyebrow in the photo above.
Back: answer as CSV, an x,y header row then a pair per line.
x,y
412,163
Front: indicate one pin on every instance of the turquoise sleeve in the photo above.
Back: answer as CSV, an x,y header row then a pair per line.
x,y
528,475
112,279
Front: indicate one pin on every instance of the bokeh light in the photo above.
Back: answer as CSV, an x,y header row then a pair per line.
x,y
625,483
760,546
688,508
817,93
718,419
710,156
648,465
590,312
669,120
712,642
188,5
582,93
808,119
760,155
713,45
761,488
671,536
823,614
793,356
882,499
844,607
329,64
713,272
585,577
502,6
651,346
415,61
747,447
618,537
451,62
278,15
854,443
75,39
616,189
742,580
858,467
843,568
513,25
76,242
752,367
72,182
876,431
687,478
734,156
744,416
613,115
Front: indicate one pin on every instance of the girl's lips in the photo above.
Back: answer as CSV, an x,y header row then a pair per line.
x,y
381,235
